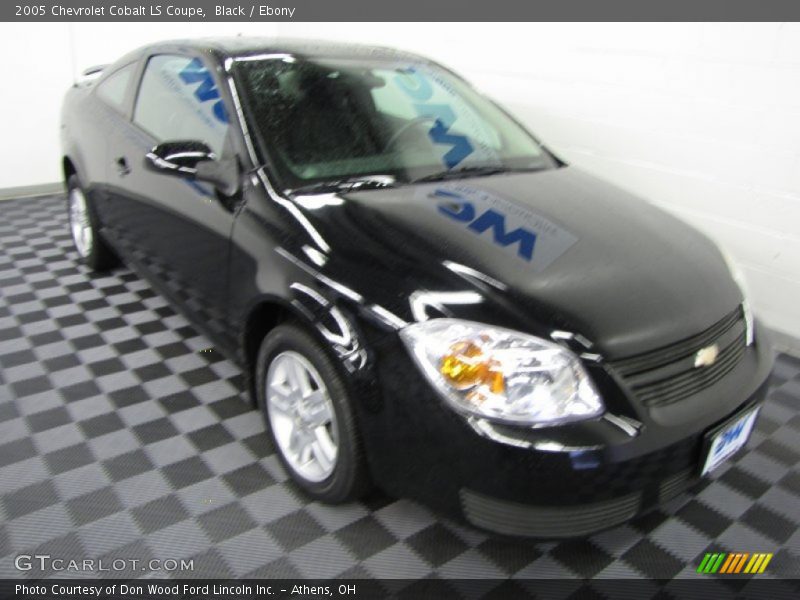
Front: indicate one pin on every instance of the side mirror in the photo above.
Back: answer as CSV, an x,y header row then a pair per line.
x,y
193,160
179,157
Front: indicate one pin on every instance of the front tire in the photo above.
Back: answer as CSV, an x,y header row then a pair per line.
x,y
309,416
84,226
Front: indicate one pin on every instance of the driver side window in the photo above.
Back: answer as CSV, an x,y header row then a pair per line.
x,y
178,100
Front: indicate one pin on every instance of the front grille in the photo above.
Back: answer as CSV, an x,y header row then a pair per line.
x,y
668,374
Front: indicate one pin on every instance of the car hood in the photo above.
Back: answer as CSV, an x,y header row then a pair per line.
x,y
559,247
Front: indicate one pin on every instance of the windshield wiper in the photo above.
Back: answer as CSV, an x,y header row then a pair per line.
x,y
349,184
470,172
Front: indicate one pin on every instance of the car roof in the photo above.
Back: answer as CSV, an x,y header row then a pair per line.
x,y
239,46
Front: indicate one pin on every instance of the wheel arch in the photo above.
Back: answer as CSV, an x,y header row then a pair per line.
x,y
68,168
328,323
263,317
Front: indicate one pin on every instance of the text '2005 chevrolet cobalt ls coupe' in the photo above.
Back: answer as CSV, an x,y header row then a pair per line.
x,y
421,295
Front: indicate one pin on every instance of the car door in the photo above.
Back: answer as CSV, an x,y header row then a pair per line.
x,y
176,229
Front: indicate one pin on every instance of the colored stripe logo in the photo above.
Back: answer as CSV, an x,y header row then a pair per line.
x,y
734,562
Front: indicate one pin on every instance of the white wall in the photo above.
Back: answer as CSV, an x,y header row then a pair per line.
x,y
703,119
36,70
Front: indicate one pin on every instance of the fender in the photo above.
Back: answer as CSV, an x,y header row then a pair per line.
x,y
333,325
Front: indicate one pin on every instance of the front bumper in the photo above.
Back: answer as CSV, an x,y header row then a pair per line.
x,y
552,482
515,518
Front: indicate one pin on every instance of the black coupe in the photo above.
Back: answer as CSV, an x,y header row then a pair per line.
x,y
422,295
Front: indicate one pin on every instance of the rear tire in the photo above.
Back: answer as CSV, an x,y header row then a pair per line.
x,y
310,416
85,229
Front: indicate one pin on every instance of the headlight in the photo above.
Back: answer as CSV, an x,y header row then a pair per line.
x,y
738,277
501,374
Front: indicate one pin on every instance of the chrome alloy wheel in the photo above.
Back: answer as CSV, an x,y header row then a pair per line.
x,y
302,416
79,223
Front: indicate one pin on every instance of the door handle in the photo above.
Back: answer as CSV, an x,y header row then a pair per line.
x,y
122,166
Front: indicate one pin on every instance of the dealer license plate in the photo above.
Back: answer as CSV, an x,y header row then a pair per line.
x,y
726,441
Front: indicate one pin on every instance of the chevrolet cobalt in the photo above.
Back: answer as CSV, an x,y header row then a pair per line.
x,y
422,296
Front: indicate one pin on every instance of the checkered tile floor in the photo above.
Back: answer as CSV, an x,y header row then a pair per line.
x,y
121,435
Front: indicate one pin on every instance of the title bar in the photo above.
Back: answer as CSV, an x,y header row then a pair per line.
x,y
405,10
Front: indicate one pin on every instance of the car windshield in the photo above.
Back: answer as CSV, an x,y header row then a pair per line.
x,y
339,120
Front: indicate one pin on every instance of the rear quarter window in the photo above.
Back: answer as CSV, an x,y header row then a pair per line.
x,y
113,89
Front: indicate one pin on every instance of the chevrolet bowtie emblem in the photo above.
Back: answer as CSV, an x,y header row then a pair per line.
x,y
707,356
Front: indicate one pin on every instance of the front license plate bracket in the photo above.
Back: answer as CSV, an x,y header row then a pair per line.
x,y
727,439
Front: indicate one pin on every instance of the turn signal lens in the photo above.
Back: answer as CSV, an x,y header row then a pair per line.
x,y
466,365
